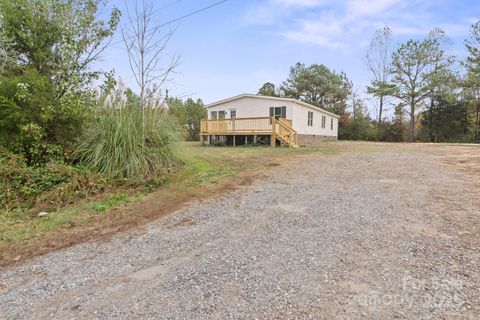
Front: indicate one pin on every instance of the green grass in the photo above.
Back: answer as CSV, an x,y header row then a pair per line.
x,y
112,201
204,167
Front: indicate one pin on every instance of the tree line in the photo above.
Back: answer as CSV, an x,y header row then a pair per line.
x,y
432,99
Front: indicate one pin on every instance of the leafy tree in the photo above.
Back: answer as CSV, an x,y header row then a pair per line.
x,y
268,89
359,127
58,38
394,130
188,114
317,85
377,61
445,121
472,82
48,47
415,68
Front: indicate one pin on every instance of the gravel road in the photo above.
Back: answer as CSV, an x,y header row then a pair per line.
x,y
380,231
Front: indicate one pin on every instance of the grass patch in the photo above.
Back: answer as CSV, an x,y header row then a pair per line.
x,y
112,201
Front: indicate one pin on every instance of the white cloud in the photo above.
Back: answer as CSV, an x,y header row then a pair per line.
x,y
334,24
321,32
370,7
272,11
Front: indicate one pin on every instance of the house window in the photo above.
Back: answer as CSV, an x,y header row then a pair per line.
x,y
331,123
233,113
221,114
278,112
324,120
213,115
310,118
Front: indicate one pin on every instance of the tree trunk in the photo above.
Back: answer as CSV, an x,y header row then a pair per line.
x,y
411,133
380,111
379,122
477,123
430,120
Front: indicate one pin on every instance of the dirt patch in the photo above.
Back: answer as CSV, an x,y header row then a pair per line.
x,y
465,159
274,164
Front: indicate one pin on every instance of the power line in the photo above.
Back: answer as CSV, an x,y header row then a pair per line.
x,y
166,6
193,13
182,17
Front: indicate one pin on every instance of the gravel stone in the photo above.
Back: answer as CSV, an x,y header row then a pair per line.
x,y
381,231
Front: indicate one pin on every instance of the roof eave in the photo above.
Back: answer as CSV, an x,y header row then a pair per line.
x,y
244,95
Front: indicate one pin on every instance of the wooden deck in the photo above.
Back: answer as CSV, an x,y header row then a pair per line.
x,y
280,129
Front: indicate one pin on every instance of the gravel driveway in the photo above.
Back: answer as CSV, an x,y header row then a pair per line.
x,y
380,231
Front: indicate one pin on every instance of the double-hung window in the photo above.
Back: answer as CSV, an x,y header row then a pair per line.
x,y
233,113
324,120
331,123
213,115
278,112
310,119
221,114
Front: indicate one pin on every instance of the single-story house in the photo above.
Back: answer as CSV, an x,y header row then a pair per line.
x,y
249,118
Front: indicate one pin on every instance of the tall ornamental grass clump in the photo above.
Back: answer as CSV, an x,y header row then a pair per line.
x,y
130,142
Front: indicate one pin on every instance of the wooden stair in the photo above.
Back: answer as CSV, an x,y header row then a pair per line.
x,y
285,133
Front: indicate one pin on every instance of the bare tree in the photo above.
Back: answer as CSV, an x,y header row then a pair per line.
x,y
377,60
146,41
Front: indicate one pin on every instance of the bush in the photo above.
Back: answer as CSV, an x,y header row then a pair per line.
x,y
49,186
37,124
129,142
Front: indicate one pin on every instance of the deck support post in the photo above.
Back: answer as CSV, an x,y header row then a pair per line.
x,y
220,130
272,137
272,140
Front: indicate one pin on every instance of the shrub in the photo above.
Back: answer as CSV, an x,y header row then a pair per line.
x,y
49,186
129,142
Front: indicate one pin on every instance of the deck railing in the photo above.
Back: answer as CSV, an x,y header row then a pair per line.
x,y
259,125
280,129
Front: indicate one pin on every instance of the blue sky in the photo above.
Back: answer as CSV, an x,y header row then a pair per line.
x,y
237,46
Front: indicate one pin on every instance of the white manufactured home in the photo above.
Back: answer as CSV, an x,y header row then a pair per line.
x,y
249,118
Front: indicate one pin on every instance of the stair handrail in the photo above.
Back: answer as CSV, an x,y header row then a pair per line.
x,y
293,133
287,125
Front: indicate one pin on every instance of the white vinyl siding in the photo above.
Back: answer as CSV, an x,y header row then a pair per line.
x,y
300,122
252,107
